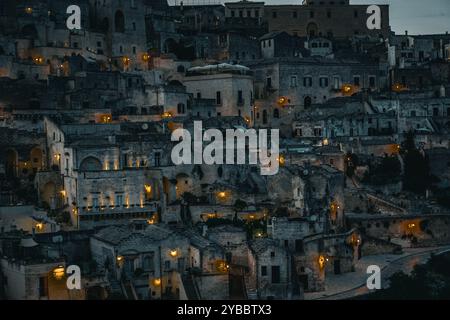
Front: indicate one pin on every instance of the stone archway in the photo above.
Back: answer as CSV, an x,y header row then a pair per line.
x,y
29,31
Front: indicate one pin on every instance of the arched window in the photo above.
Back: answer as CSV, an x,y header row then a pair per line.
x,y
119,21
307,102
91,164
264,116
276,113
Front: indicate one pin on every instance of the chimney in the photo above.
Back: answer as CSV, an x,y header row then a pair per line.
x,y
406,32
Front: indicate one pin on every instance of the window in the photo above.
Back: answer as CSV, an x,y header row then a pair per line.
x,y
356,81
157,159
218,98
274,14
181,108
263,271
148,263
311,14
372,81
328,14
241,14
293,81
167,265
355,14
232,14
294,14
270,43
119,200
249,13
323,82
272,254
276,113
256,13
336,82
275,274
95,202
99,44
240,98
264,116
307,81
269,82
317,132
134,50
134,26
199,95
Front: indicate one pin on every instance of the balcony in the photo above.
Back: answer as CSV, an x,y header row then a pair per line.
x,y
146,207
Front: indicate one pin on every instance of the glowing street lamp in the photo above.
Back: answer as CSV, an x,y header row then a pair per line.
x,y
146,57
282,101
173,253
322,260
59,272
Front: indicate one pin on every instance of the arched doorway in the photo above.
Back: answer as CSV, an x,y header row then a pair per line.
x,y
119,21
307,102
29,32
36,158
276,113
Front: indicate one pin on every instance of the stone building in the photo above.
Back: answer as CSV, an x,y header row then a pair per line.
x,y
284,86
271,271
231,86
324,18
155,261
113,177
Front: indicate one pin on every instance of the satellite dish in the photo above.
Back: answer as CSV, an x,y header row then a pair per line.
x,y
144,126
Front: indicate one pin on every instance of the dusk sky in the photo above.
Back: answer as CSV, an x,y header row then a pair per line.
x,y
416,16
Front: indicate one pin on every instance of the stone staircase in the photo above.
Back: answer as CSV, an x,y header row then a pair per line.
x,y
252,293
